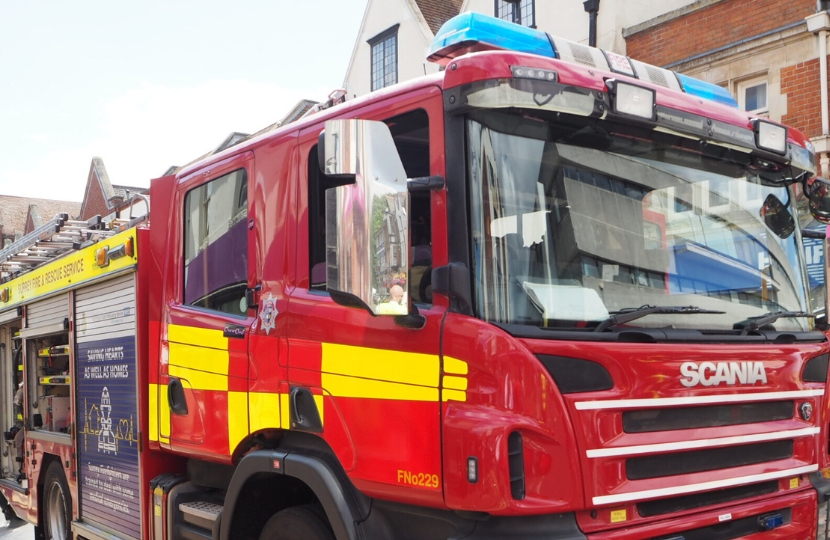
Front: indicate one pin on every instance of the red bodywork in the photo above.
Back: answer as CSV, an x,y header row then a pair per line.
x,y
416,452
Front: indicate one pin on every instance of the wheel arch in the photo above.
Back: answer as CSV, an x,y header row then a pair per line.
x,y
312,474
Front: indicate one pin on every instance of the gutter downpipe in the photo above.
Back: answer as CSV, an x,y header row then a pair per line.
x,y
592,8
819,24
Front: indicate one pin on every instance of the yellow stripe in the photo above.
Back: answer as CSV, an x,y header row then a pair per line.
x,y
386,365
153,421
237,418
164,415
201,337
320,401
451,365
201,358
343,386
285,415
453,395
264,410
455,383
200,380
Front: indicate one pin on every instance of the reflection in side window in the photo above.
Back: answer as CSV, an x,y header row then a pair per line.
x,y
216,244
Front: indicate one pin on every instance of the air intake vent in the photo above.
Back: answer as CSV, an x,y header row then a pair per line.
x,y
816,370
659,466
708,416
516,463
574,375
582,54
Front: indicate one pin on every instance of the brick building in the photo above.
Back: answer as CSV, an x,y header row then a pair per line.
x,y
21,215
102,198
771,54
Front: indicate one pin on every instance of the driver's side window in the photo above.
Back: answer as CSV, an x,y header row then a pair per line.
x,y
216,244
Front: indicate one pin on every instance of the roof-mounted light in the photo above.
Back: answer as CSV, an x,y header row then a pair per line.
x,y
770,137
632,99
473,32
707,90
521,72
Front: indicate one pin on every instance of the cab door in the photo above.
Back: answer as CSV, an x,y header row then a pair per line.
x,y
375,380
208,322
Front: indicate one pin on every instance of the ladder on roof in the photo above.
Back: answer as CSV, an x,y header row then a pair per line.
x,y
48,242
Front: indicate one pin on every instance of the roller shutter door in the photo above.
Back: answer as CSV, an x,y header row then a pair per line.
x,y
107,408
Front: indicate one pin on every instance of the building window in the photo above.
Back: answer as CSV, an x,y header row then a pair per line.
x,y
752,96
384,58
517,11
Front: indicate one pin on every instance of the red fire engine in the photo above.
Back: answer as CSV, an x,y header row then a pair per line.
x,y
548,292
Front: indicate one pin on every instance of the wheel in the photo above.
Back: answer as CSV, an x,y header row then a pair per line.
x,y
297,523
57,510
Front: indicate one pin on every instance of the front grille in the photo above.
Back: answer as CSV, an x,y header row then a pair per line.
x,y
711,416
712,459
698,500
730,529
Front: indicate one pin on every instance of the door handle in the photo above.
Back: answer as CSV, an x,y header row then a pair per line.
x,y
176,398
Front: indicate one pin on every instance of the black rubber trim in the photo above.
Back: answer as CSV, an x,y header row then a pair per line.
x,y
821,485
457,215
343,506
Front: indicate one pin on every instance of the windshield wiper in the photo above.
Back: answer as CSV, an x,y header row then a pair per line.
x,y
754,323
630,314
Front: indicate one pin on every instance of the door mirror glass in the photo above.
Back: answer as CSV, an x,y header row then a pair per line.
x,y
367,236
817,191
777,217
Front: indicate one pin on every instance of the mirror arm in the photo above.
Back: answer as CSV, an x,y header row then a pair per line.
x,y
425,183
454,281
413,321
812,233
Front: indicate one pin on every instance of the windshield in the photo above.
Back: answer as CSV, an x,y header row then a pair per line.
x,y
576,220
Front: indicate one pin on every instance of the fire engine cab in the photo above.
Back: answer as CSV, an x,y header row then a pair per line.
x,y
548,292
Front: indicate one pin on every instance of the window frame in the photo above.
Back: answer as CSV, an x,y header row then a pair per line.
x,y
381,39
237,217
745,84
518,11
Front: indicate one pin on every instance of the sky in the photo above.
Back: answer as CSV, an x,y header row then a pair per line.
x,y
151,84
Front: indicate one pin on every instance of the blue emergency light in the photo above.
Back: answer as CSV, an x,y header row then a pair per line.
x,y
472,32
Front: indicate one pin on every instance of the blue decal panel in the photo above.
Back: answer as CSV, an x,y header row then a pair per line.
x,y
108,434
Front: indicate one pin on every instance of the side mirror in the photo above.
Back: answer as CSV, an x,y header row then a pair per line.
x,y
817,191
367,221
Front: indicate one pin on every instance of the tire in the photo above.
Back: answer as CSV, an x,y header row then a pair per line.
x,y
297,523
57,506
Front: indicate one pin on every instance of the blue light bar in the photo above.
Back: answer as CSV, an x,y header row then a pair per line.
x,y
472,32
476,32
706,90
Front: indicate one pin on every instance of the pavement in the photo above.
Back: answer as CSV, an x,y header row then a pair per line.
x,y
19,530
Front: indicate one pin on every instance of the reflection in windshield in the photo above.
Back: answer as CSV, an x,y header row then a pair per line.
x,y
570,229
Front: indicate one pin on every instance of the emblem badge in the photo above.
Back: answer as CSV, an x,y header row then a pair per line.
x,y
268,314
806,410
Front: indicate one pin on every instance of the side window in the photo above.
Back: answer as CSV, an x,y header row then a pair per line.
x,y
411,134
216,244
